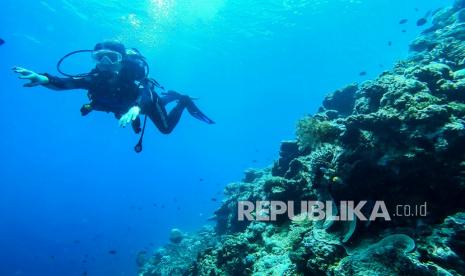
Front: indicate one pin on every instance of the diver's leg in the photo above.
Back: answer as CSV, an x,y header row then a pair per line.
x,y
166,99
174,116
166,122
163,121
170,96
157,113
189,104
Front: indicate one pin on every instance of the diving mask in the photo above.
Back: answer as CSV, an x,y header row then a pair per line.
x,y
107,57
107,60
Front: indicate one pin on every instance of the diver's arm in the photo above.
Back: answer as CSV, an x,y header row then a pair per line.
x,y
50,81
57,83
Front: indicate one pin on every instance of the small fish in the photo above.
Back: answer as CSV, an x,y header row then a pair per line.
x,y
403,21
214,199
2,41
404,31
254,161
112,252
84,273
201,179
363,73
417,9
155,205
421,22
389,43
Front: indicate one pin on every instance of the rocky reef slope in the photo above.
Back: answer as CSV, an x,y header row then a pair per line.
x,y
399,138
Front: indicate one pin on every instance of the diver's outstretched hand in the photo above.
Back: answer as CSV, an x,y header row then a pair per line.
x,y
34,78
130,116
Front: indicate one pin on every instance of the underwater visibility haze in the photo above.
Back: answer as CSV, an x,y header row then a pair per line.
x,y
342,100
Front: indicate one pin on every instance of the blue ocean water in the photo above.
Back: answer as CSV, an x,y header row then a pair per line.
x,y
72,189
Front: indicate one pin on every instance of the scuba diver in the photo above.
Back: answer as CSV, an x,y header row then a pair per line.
x,y
119,84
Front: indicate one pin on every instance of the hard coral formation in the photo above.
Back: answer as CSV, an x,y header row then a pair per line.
x,y
176,235
178,257
399,138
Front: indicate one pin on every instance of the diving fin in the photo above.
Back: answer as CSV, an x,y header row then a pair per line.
x,y
190,106
196,113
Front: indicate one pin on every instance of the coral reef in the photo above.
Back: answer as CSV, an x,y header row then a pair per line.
x,y
176,235
399,139
178,257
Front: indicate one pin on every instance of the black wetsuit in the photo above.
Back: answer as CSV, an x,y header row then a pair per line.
x,y
113,93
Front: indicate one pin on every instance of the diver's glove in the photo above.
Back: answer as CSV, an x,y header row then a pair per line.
x,y
130,116
34,78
